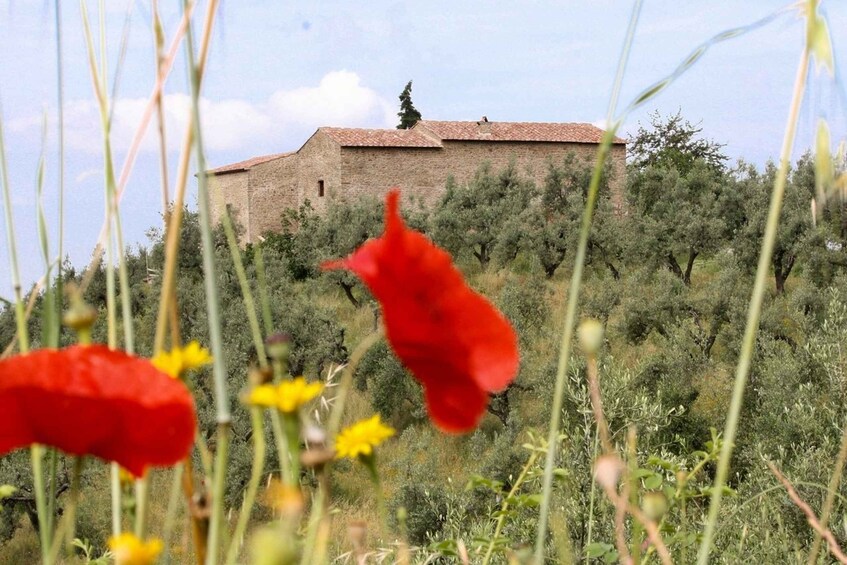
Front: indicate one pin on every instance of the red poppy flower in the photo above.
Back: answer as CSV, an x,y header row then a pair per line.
x,y
90,400
452,339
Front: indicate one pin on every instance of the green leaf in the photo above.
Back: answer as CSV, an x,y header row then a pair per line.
x,y
820,44
653,482
597,549
611,557
824,170
651,92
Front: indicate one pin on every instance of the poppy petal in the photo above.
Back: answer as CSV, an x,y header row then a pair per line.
x,y
450,337
90,400
455,405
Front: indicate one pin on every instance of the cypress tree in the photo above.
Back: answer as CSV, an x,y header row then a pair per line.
x,y
408,114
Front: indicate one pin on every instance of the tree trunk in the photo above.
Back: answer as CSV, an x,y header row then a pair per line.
x,y
499,405
673,265
550,269
348,290
781,271
483,255
686,278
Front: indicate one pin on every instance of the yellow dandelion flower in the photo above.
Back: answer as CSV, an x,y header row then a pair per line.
x,y
195,356
263,395
360,438
177,361
129,550
169,362
295,393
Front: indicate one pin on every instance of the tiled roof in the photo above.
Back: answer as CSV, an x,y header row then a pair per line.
x,y
249,163
357,137
430,133
515,131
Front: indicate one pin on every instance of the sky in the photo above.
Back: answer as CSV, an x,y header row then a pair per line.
x,y
279,70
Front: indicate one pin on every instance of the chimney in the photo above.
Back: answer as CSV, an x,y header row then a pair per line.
x,y
484,126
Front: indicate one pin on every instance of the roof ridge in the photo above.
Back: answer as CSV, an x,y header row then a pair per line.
x,y
249,163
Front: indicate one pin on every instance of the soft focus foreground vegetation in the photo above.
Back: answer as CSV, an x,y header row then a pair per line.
x,y
668,275
665,364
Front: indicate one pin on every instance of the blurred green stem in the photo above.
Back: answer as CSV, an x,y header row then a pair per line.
x,y
67,525
754,312
223,414
170,514
252,486
573,292
346,382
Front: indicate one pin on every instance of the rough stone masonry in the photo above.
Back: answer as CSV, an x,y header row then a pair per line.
x,y
353,162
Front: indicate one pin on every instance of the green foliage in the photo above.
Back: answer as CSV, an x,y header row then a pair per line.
x,y
665,369
393,391
524,302
673,143
547,229
680,214
408,114
309,238
797,239
470,218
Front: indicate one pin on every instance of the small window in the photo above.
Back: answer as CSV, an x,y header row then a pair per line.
x,y
320,188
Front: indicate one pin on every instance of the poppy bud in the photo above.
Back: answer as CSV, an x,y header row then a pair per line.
x,y
654,504
258,376
607,471
316,458
278,346
591,336
80,316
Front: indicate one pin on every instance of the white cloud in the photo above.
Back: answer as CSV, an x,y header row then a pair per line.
x,y
339,100
283,119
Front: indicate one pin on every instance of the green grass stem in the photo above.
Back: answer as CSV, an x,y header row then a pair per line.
x,y
258,464
573,293
246,293
170,514
501,519
60,127
223,413
754,311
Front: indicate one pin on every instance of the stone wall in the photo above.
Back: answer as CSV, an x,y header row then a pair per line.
x,y
318,160
260,194
273,188
424,172
230,189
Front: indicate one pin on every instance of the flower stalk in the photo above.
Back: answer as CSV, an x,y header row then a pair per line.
x,y
754,311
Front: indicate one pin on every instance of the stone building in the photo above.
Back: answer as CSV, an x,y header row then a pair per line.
x,y
351,162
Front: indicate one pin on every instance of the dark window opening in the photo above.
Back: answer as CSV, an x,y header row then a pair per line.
x,y
320,188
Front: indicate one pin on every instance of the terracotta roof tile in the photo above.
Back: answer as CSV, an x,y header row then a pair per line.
x,y
358,137
248,164
515,131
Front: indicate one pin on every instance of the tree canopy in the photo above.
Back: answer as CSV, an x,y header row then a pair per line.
x,y
408,114
673,143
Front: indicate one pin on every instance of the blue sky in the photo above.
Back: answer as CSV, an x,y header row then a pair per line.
x,y
279,70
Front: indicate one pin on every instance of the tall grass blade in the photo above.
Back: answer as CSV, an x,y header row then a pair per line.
x,y
573,292
223,414
754,312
